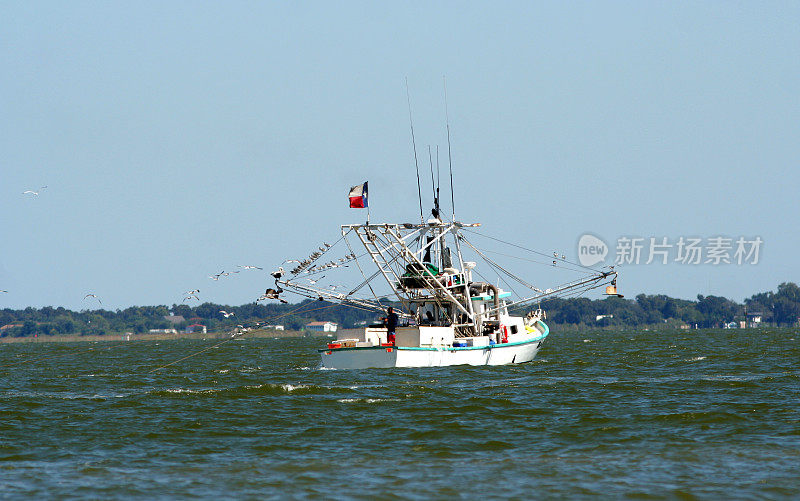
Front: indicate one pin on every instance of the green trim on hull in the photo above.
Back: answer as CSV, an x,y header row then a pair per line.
x,y
461,348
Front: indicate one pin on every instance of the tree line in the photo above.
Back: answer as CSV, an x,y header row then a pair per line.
x,y
781,307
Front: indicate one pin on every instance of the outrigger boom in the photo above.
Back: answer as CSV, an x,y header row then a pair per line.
x,y
444,308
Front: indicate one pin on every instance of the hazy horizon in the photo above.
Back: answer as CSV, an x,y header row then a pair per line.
x,y
178,140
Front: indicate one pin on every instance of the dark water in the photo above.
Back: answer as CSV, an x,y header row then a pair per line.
x,y
707,415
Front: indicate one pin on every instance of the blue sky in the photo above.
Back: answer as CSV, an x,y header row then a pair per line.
x,y
179,139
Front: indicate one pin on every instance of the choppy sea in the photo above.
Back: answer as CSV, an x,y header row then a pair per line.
x,y
613,414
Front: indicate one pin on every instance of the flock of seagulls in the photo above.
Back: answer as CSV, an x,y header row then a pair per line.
x,y
308,265
270,293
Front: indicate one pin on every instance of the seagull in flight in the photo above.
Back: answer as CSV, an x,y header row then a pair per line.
x,y
94,296
3,291
226,314
191,296
249,267
292,261
34,193
192,291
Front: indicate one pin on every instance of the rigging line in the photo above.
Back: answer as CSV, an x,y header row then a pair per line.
x,y
575,284
488,281
569,295
192,355
433,183
499,270
367,281
322,253
361,304
502,279
523,282
526,249
438,173
234,336
449,156
414,144
543,301
387,247
540,262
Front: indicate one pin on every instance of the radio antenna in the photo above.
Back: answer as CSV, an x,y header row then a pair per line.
x,y
435,211
438,175
449,156
416,163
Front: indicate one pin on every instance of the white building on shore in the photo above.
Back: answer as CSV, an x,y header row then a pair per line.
x,y
322,326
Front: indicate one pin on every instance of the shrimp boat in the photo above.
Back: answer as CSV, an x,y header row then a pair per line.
x,y
447,315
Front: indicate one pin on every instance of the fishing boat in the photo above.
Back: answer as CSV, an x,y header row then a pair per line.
x,y
447,315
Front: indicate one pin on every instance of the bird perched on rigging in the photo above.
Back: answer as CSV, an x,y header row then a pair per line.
x,y
278,273
271,293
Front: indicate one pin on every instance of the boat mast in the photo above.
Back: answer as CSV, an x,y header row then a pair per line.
x,y
449,154
416,163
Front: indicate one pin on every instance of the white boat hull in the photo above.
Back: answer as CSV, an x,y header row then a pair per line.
x,y
517,352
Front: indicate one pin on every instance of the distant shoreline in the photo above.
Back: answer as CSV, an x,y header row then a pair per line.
x,y
73,338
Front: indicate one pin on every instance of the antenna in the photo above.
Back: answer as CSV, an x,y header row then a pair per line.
x,y
449,156
416,164
438,176
435,210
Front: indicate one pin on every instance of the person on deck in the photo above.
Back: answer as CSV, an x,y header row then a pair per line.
x,y
391,324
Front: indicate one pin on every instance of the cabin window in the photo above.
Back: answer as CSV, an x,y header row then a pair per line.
x,y
513,329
